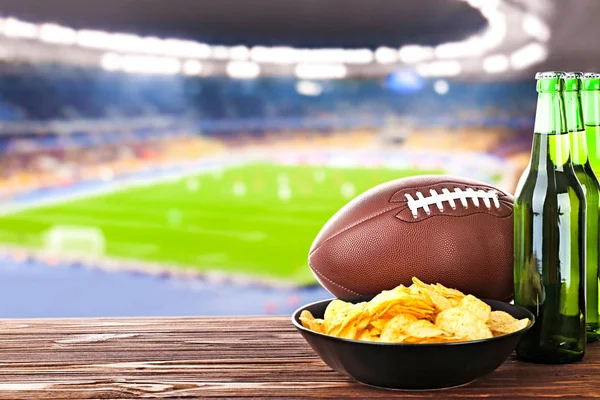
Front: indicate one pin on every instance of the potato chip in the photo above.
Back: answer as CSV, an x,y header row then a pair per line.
x,y
310,322
479,308
501,323
395,328
424,329
462,323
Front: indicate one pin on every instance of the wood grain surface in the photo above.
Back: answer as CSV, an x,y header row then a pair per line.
x,y
256,357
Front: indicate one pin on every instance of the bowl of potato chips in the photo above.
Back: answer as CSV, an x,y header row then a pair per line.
x,y
424,336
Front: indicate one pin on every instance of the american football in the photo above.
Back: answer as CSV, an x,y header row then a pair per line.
x,y
446,229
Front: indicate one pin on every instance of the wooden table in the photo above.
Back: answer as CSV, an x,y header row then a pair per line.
x,y
222,357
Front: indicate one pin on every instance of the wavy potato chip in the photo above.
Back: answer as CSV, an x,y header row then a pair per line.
x,y
501,323
310,322
462,323
476,306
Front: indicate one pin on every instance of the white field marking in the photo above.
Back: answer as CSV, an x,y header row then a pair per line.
x,y
190,215
239,189
113,187
283,179
79,219
193,185
319,176
348,190
174,217
284,193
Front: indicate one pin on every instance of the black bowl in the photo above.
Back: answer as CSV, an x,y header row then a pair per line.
x,y
412,366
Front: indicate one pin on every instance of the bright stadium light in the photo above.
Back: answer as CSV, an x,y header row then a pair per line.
x,y
192,67
473,46
240,53
93,39
321,71
536,28
150,65
441,87
309,88
495,63
111,62
186,48
20,29
412,54
219,52
243,69
125,42
386,55
358,56
439,68
528,55
152,45
52,33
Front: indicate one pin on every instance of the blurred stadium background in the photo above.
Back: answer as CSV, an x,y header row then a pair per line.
x,y
178,157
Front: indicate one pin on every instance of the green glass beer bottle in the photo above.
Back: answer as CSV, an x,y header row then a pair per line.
x,y
590,97
591,188
549,235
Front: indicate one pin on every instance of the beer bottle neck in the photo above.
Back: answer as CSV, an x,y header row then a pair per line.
x,y
550,115
590,100
551,149
575,126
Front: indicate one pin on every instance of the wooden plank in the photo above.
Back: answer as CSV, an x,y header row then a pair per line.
x,y
258,357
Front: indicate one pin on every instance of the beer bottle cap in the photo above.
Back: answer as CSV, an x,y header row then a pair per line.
x,y
550,81
572,81
590,81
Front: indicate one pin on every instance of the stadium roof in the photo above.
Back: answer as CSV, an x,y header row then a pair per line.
x,y
306,23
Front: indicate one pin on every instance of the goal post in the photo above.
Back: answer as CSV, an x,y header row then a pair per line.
x,y
75,240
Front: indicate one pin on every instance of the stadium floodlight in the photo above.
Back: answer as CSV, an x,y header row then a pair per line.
x,y
496,31
495,63
321,71
412,54
192,67
186,48
474,46
276,55
219,52
386,55
20,29
243,69
52,33
358,56
150,65
152,45
309,88
439,68
528,55
125,42
441,87
536,28
239,53
93,39
111,62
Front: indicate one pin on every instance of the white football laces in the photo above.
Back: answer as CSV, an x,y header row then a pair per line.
x,y
463,196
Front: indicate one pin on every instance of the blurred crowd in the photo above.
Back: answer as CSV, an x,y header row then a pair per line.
x,y
63,124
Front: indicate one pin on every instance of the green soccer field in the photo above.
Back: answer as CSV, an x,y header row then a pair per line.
x,y
256,220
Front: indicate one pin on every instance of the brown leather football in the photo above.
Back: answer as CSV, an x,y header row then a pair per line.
x,y
441,229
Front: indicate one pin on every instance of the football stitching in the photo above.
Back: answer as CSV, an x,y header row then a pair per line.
x,y
332,282
417,220
477,187
395,207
